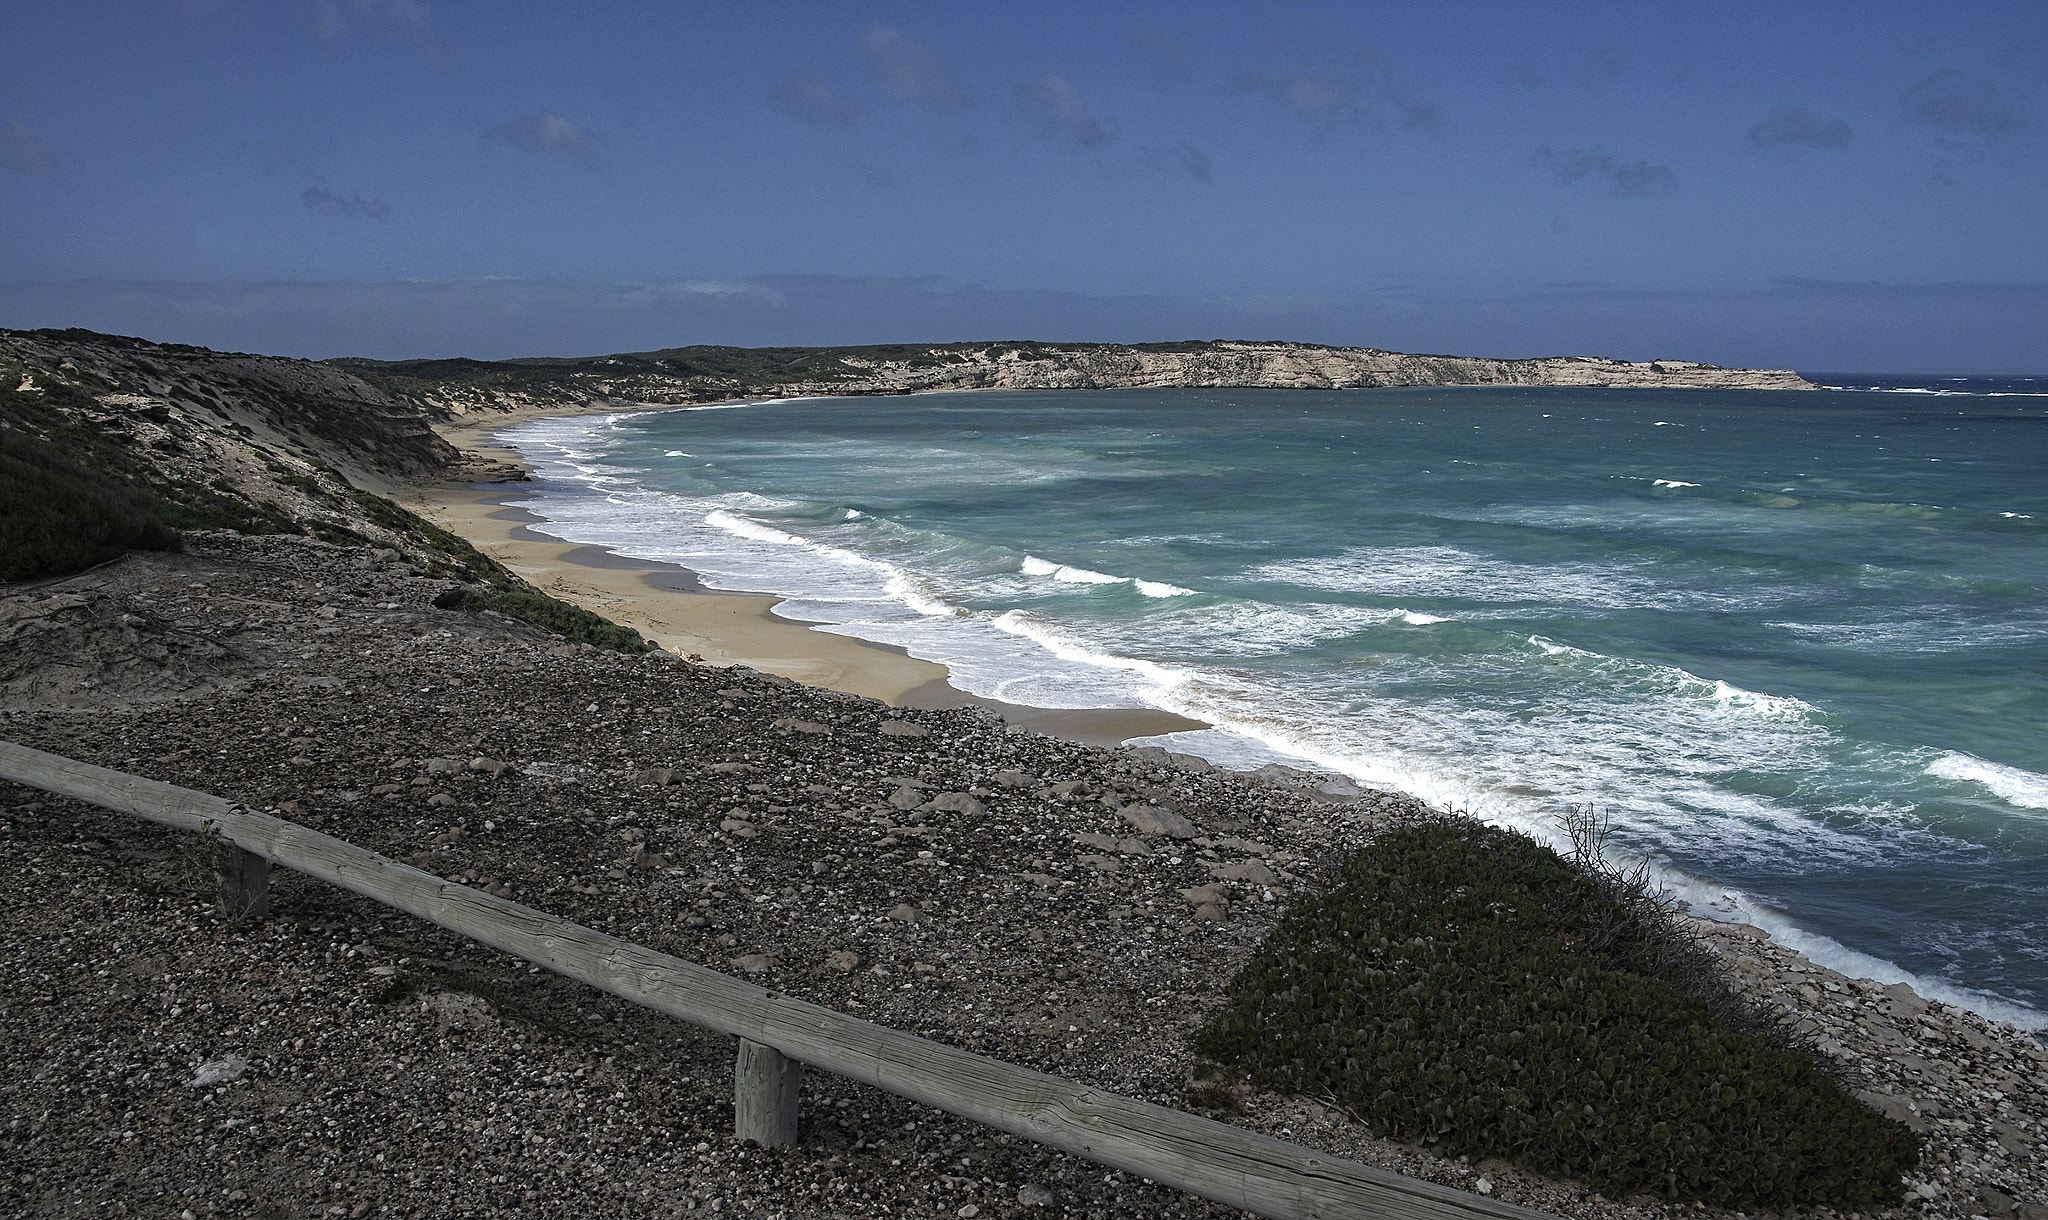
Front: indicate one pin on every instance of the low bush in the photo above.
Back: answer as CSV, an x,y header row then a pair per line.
x,y
1468,988
550,614
58,516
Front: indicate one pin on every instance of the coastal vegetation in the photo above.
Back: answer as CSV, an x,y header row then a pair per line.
x,y
67,501
1467,988
86,475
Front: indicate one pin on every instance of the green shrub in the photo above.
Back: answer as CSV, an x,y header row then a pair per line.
x,y
57,516
550,614
1468,988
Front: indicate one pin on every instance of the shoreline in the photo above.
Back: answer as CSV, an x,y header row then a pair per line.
x,y
672,607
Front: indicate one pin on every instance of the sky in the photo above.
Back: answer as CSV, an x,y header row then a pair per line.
x,y
1822,186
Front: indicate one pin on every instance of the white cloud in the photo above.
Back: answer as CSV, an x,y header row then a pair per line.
x,y
549,134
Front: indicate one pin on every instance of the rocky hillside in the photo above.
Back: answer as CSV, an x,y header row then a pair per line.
x,y
453,388
194,439
141,439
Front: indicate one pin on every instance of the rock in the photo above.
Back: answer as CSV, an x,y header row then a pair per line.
x,y
440,798
1244,870
905,912
459,1010
1483,1186
1896,1106
732,768
1213,894
752,963
968,1212
1015,779
907,781
218,1071
798,726
1336,788
1031,1194
903,728
658,777
1903,1002
1072,789
1133,847
489,766
300,761
905,798
845,961
959,802
1096,841
1211,912
1045,879
1152,820
1103,864
738,828
442,766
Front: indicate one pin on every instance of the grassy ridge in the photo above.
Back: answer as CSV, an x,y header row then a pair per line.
x,y
1468,988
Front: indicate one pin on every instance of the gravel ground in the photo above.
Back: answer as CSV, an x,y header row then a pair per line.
x,y
1071,909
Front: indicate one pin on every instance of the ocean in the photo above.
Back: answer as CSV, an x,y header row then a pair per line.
x,y
1794,646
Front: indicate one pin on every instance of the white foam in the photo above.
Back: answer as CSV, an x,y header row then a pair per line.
x,y
1032,565
1672,483
1416,619
1726,905
2026,789
1082,576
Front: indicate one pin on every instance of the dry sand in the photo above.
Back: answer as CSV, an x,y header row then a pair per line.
x,y
670,606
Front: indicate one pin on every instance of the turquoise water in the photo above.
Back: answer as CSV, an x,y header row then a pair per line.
x,y
1795,645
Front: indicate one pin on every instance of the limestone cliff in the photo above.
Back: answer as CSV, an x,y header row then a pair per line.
x,y
679,376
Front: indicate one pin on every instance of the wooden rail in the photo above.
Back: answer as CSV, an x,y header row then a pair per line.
x,y
778,1034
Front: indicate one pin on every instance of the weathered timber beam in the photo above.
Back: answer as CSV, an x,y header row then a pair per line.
x,y
1232,1166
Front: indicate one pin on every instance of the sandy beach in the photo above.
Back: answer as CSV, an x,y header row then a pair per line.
x,y
670,606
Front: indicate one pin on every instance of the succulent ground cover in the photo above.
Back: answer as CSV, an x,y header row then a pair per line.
x,y
1468,988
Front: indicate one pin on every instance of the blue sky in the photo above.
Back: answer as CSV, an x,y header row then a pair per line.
x,y
1822,186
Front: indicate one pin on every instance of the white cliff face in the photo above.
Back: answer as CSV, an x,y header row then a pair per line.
x,y
1277,366
1007,366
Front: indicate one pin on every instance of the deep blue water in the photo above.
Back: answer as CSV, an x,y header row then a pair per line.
x,y
1794,644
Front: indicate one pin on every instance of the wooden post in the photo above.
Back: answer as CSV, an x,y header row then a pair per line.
x,y
241,883
766,1084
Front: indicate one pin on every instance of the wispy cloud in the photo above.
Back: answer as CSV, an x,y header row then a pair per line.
x,y
812,98
332,18
1625,179
1798,127
549,134
1357,87
322,202
903,69
1954,102
1180,159
1161,48
1062,115
24,153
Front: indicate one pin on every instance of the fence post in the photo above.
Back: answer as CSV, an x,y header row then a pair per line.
x,y
241,882
765,1087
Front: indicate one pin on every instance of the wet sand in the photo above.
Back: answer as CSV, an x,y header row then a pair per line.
x,y
670,606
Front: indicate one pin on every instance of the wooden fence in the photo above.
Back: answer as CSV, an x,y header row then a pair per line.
x,y
778,1034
